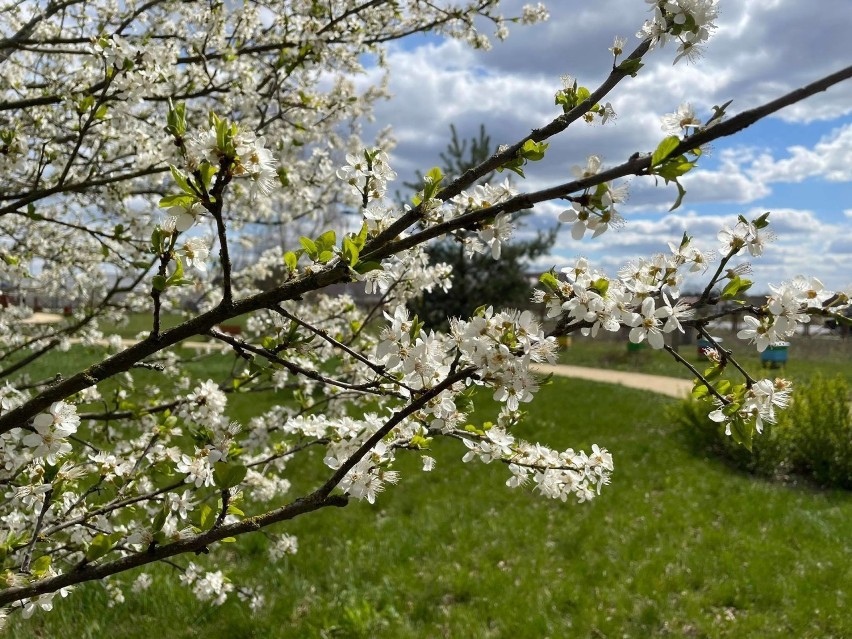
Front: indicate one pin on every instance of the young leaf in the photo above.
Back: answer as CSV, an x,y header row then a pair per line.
x,y
40,566
181,180
310,247
664,149
291,261
350,251
206,517
228,475
631,66
181,199
100,546
326,240
680,193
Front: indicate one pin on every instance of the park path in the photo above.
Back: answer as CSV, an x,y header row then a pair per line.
x,y
671,386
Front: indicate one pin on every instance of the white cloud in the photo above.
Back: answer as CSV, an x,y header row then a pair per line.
x,y
829,159
745,175
762,50
755,56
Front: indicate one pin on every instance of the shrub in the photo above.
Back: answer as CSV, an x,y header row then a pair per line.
x,y
812,439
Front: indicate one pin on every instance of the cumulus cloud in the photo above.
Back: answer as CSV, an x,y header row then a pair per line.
x,y
829,159
804,244
746,175
762,49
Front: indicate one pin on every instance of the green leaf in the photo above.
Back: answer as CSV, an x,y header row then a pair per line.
x,y
176,119
700,390
533,151
673,168
664,149
762,222
742,431
549,280
159,520
181,180
731,409
713,372
602,286
177,277
291,261
514,166
181,199
310,247
207,171
327,240
432,182
366,267
206,517
159,283
350,251
40,566
361,239
680,193
734,287
631,66
100,546
416,325
228,475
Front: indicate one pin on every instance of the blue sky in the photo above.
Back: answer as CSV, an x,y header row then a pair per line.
x,y
797,165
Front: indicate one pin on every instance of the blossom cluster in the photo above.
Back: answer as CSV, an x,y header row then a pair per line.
x,y
690,22
367,174
789,306
641,297
594,210
757,402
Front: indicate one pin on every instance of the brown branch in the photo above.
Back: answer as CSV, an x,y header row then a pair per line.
x,y
197,543
636,165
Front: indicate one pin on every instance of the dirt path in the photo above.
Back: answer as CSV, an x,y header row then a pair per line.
x,y
671,386
42,318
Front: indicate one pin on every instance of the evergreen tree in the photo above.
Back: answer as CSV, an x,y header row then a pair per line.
x,y
504,282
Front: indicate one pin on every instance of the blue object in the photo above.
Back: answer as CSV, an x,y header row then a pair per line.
x,y
775,354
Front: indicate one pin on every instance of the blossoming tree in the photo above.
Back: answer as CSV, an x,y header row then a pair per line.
x,y
142,148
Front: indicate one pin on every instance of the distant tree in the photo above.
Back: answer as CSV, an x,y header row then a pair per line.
x,y
476,276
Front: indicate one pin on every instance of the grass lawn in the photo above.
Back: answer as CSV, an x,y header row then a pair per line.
x,y
678,546
807,356
142,323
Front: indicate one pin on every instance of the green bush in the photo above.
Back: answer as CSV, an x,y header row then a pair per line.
x,y
812,438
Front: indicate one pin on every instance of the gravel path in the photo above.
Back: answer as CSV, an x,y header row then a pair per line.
x,y
671,386
42,318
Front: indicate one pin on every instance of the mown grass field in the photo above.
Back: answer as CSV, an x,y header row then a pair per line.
x,y
678,546
807,356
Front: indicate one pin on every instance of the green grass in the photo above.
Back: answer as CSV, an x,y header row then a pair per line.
x,y
807,356
677,546
142,323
